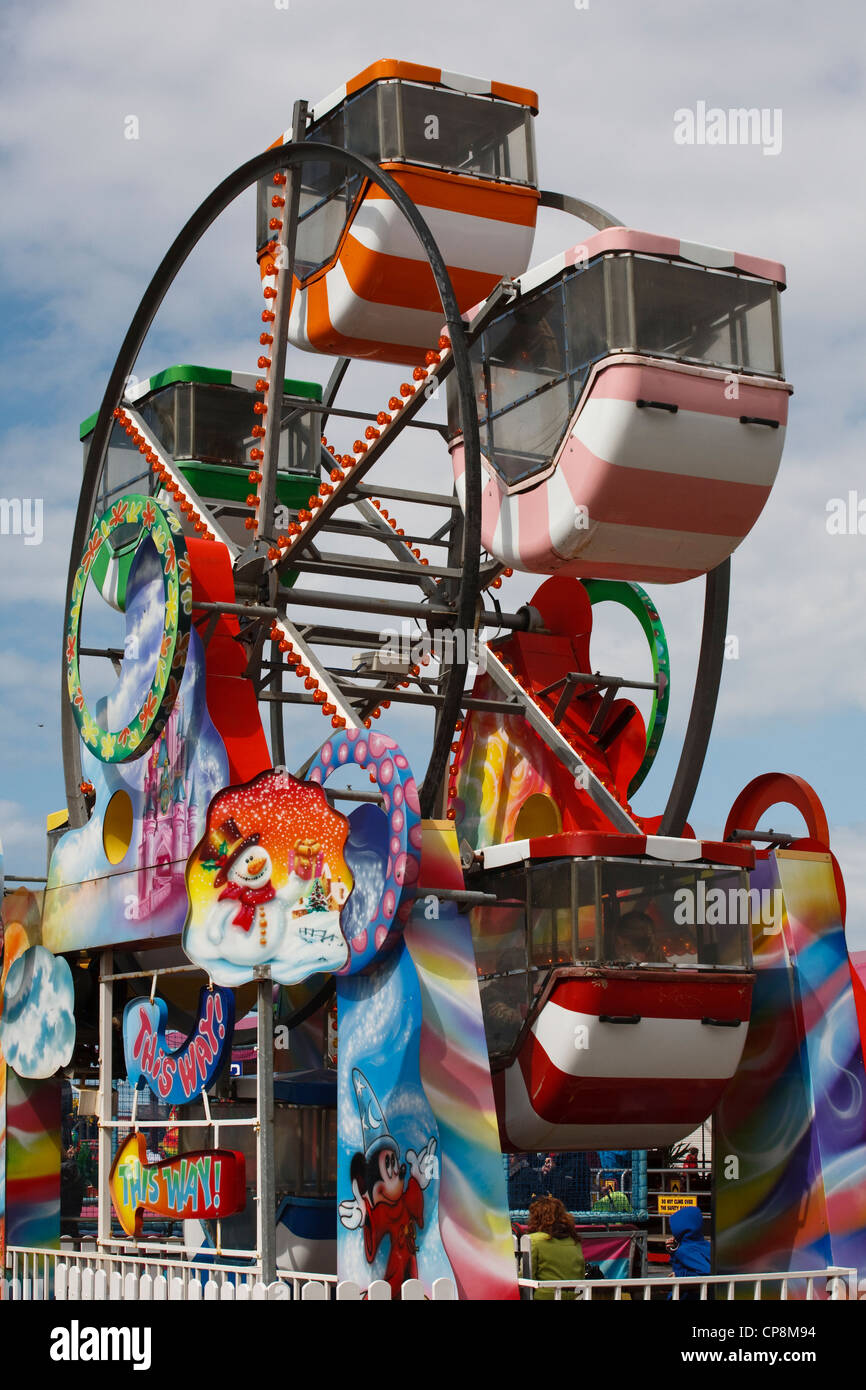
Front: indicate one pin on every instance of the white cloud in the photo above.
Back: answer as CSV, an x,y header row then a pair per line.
x,y
37,1028
23,838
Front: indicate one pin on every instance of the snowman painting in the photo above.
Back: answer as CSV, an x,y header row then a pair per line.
x,y
261,885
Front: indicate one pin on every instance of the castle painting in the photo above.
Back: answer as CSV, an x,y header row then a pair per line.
x,y
169,825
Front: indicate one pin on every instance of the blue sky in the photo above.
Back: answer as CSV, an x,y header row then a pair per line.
x,y
87,214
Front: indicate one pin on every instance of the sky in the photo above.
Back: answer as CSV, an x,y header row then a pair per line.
x,y
87,214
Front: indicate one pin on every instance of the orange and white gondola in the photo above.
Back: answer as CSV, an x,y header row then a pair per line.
x,y
633,407
461,147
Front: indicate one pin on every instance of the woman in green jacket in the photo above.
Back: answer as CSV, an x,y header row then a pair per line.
x,y
556,1249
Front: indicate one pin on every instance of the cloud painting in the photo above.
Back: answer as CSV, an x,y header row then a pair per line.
x,y
37,1028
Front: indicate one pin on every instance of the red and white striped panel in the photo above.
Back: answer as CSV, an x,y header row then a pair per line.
x,y
389,69
641,493
592,843
377,297
580,1083
648,244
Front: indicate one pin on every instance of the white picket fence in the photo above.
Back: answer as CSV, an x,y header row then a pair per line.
x,y
71,1276
34,1275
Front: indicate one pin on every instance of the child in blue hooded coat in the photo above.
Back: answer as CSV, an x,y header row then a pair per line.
x,y
689,1249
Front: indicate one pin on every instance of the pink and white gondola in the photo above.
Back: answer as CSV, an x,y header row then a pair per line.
x,y
633,407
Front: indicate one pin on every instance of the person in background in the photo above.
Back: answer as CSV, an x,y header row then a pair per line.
x,y
634,939
521,1188
691,1158
612,1199
71,1193
83,1153
689,1249
556,1249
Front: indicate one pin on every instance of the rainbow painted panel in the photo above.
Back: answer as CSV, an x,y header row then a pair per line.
x,y
2,1166
20,928
32,1162
791,1128
501,764
455,1071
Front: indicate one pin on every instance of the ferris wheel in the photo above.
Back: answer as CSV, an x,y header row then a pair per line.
x,y
395,225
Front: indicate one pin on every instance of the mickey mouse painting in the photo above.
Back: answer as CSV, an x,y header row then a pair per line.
x,y
380,1202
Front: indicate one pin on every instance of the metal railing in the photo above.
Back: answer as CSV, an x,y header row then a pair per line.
x,y
833,1284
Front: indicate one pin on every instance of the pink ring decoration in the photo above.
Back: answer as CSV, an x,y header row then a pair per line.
x,y
380,754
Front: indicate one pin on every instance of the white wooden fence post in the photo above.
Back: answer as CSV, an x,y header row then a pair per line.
x,y
314,1292
443,1289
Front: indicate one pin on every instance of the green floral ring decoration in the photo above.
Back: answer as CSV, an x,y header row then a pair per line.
x,y
164,530
638,602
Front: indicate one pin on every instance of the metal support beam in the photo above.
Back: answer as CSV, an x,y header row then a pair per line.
x,y
706,694
407,697
404,494
278,738
104,1160
587,212
560,747
382,533
266,1228
325,410
383,571
284,260
321,598
466,896
771,837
